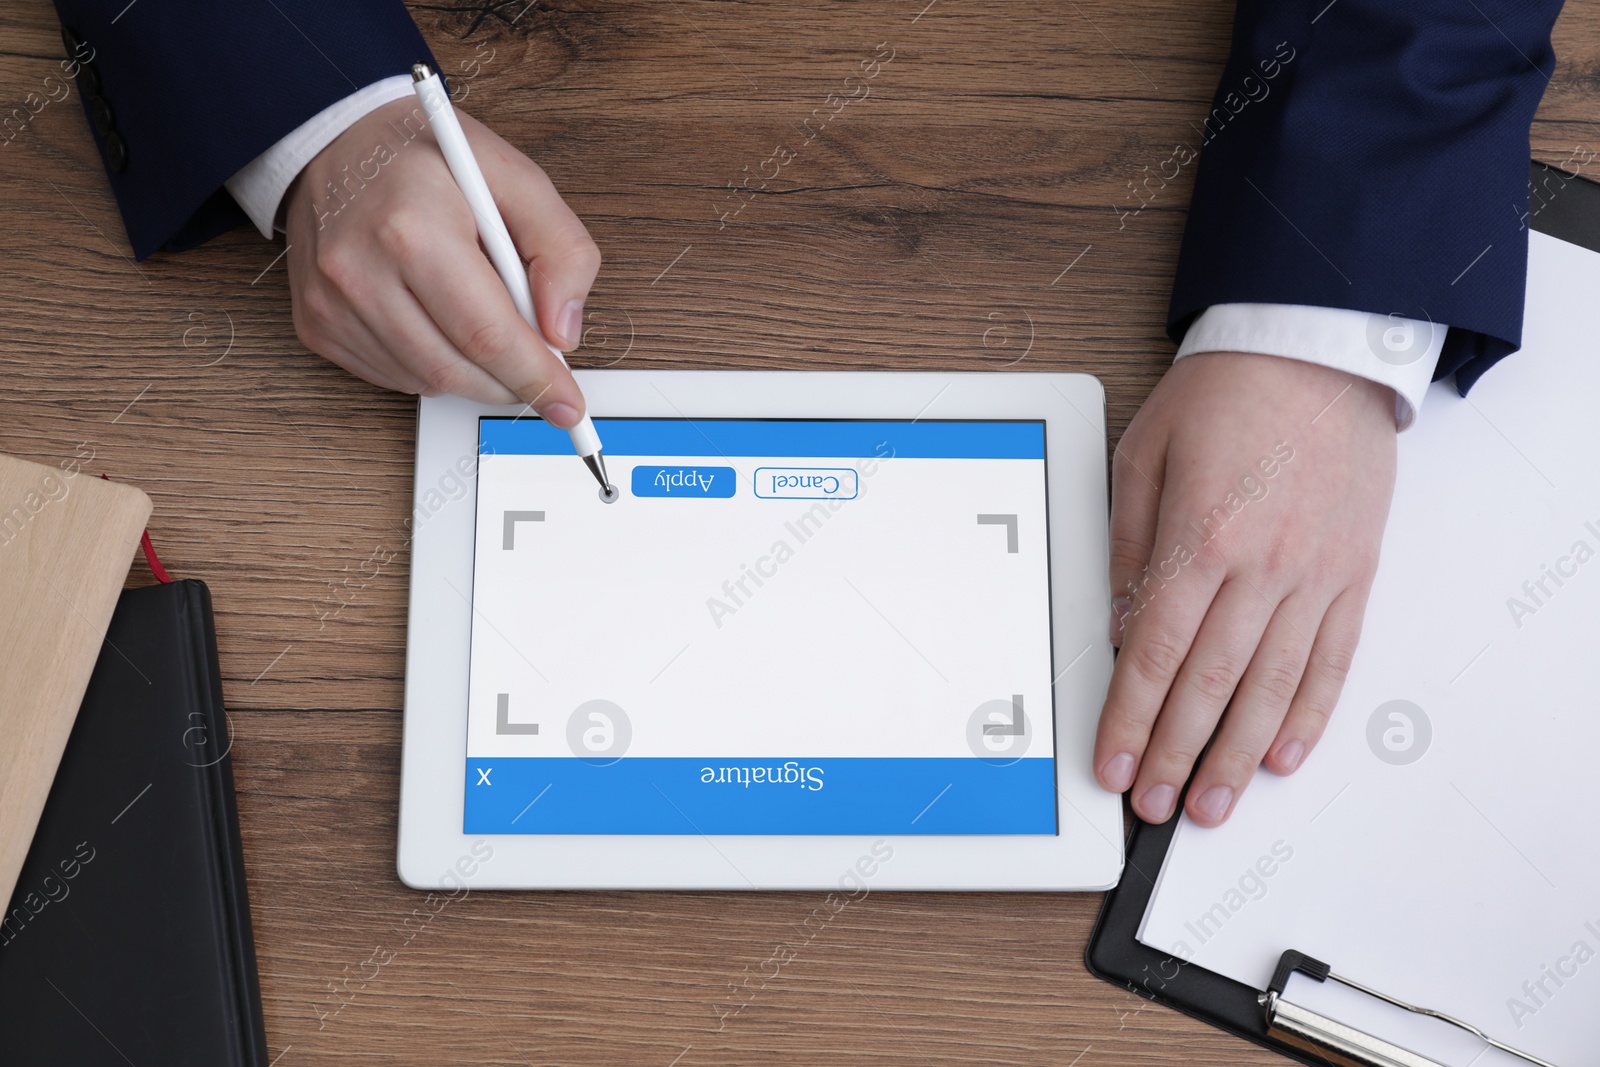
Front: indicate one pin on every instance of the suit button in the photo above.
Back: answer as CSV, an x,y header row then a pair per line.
x,y
116,152
73,43
88,80
100,115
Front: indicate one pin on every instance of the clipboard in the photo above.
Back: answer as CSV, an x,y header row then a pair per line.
x,y
1266,1017
1564,206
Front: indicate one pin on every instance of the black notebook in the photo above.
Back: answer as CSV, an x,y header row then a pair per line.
x,y
127,939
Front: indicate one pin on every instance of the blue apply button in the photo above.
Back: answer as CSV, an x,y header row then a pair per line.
x,y
806,483
684,481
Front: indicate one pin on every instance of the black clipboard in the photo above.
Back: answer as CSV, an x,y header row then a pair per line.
x,y
1562,204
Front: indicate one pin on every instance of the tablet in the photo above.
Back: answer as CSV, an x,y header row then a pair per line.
x,y
833,631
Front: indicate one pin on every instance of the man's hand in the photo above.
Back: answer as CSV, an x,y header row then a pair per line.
x,y
1248,502
389,281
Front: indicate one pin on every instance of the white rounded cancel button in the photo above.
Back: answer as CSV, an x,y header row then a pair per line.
x,y
806,483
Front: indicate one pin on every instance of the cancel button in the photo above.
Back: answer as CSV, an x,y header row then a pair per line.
x,y
806,483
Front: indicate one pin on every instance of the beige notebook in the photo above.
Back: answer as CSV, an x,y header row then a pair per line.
x,y
66,539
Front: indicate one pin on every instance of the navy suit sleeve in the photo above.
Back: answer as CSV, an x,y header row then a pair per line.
x,y
181,94
1373,155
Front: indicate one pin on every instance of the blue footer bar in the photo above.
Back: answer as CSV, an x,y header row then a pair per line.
x,y
742,795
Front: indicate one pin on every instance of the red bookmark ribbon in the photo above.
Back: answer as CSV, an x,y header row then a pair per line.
x,y
150,556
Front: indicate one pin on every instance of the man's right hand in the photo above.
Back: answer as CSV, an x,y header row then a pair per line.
x,y
389,281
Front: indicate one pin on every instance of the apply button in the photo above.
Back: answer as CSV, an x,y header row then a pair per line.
x,y
684,481
806,483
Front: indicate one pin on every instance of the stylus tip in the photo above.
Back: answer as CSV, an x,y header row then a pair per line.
x,y
597,466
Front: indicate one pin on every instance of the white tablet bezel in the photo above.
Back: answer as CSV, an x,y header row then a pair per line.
x,y
1087,851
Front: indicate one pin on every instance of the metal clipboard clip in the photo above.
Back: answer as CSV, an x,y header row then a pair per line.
x,y
1338,1043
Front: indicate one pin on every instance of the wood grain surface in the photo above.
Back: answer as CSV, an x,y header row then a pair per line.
x,y
965,213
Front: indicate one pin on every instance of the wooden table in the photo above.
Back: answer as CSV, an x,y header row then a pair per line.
x,y
967,212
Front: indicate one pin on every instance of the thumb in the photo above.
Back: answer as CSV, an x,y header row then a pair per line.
x,y
562,259
561,271
1136,477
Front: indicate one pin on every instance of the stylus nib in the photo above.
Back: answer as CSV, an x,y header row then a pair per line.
x,y
597,466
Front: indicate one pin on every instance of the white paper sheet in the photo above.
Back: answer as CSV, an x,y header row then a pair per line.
x,y
1468,879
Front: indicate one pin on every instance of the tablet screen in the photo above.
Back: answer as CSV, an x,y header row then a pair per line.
x,y
777,627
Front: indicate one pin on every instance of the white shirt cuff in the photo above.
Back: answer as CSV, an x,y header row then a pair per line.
x,y
260,185
1394,351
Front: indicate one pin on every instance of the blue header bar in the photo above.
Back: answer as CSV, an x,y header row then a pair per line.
x,y
713,795
821,438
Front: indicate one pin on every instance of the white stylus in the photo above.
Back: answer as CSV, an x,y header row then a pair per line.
x,y
496,238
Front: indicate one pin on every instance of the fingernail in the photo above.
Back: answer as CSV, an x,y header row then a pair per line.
x,y
1213,803
1120,607
562,416
1118,772
1158,801
1290,755
569,324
